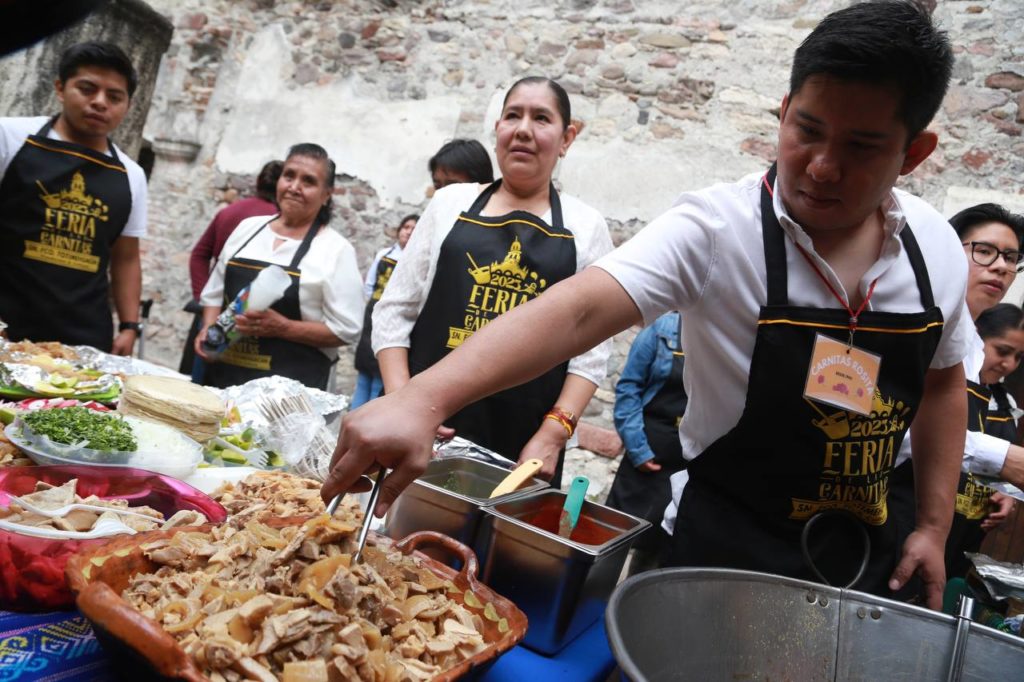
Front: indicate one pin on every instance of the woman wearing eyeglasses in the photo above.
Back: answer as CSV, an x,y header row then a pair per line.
x,y
992,238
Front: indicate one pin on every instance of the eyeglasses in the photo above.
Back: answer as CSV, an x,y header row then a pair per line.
x,y
986,254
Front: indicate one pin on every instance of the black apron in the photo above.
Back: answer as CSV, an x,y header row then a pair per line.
x,y
646,494
751,492
487,266
965,533
366,361
62,206
1000,422
251,358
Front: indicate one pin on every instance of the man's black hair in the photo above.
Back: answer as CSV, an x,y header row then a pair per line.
x,y
887,43
266,181
315,151
966,220
106,55
464,156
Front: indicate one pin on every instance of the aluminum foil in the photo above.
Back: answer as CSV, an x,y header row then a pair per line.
x,y
292,420
262,395
1002,580
30,376
91,358
460,447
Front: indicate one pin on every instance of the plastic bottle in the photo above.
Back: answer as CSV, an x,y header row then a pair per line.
x,y
268,288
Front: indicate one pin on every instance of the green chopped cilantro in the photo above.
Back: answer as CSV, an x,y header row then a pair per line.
x,y
69,425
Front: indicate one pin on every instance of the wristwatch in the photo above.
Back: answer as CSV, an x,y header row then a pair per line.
x,y
134,326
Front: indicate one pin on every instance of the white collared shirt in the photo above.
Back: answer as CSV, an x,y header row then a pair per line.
x,y
398,309
330,288
14,132
705,256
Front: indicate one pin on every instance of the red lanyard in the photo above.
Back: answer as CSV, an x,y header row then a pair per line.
x,y
854,315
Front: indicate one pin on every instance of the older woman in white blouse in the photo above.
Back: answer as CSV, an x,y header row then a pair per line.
x,y
299,336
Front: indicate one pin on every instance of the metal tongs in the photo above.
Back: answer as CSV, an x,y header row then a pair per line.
x,y
367,517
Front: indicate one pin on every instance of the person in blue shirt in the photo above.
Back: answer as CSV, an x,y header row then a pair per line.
x,y
649,405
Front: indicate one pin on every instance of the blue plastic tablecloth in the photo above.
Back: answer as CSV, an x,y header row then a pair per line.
x,y
61,646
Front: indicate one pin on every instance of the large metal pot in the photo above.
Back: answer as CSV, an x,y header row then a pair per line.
x,y
720,624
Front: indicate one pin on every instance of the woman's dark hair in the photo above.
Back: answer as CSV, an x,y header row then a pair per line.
x,y
889,43
966,220
999,319
393,231
464,156
315,151
266,181
106,55
561,96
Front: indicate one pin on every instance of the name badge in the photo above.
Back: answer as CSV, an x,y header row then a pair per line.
x,y
842,375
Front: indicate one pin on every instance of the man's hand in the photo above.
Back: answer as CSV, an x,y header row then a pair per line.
x,y
124,342
924,554
545,445
649,467
1003,505
393,431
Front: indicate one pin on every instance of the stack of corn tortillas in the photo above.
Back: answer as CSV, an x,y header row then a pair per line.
x,y
190,408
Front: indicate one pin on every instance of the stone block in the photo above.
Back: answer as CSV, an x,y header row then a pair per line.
x,y
665,40
665,60
391,55
600,441
1007,80
550,49
623,51
613,72
662,130
370,29
976,158
582,58
759,147
515,44
1020,109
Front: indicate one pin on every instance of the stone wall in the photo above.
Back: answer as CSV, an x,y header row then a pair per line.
x,y
675,95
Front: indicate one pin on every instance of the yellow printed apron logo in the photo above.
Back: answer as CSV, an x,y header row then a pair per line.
x,y
973,502
496,289
859,454
246,353
69,227
382,281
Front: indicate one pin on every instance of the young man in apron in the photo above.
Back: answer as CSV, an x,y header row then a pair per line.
x,y
72,210
824,313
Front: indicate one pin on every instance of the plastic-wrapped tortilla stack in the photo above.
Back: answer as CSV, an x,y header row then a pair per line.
x,y
192,409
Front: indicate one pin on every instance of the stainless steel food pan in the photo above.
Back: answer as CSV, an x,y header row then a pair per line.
x,y
561,584
448,498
